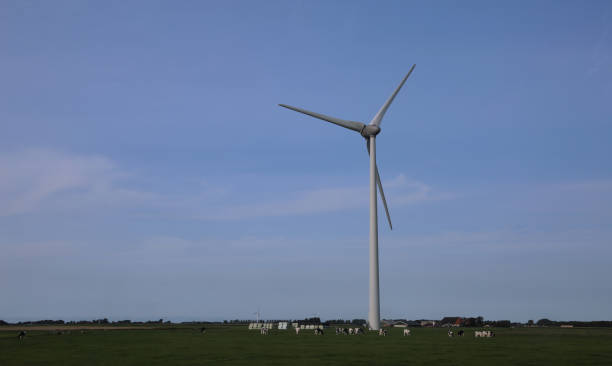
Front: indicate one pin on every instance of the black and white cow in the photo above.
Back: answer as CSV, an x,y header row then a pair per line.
x,y
484,334
21,335
318,331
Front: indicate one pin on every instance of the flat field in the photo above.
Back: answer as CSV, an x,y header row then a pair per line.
x,y
236,345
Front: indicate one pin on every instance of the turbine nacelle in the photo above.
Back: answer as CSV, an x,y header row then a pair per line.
x,y
369,130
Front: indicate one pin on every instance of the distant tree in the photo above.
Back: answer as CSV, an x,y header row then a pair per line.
x,y
2,322
502,324
473,322
313,320
530,322
545,322
359,321
600,323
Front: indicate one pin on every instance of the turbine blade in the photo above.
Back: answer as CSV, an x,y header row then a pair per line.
x,y
351,125
382,195
381,113
380,189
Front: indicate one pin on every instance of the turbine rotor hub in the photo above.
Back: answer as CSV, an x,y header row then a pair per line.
x,y
370,130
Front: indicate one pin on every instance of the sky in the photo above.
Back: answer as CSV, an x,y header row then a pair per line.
x,y
147,171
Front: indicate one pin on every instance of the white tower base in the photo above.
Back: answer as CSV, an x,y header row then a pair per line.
x,y
374,313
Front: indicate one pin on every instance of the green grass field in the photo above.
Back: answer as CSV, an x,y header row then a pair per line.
x,y
235,345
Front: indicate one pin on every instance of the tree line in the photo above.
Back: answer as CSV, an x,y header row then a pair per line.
x,y
103,321
465,322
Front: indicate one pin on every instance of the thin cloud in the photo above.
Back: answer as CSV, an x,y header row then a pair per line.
x,y
37,180
400,191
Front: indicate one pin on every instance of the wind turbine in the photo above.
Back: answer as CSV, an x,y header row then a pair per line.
x,y
369,132
257,313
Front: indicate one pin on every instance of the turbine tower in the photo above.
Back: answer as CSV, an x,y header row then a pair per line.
x,y
369,132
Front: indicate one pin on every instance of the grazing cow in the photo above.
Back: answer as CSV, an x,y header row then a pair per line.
x,y
406,332
345,331
351,331
460,333
21,335
203,330
338,331
382,332
358,331
297,331
484,334
450,333
318,331
264,331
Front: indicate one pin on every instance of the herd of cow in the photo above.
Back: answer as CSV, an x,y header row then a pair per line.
x,y
349,331
484,334
384,332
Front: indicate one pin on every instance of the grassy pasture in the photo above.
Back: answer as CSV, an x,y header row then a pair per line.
x,y
236,345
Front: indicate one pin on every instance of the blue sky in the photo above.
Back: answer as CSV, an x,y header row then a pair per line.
x,y
146,170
